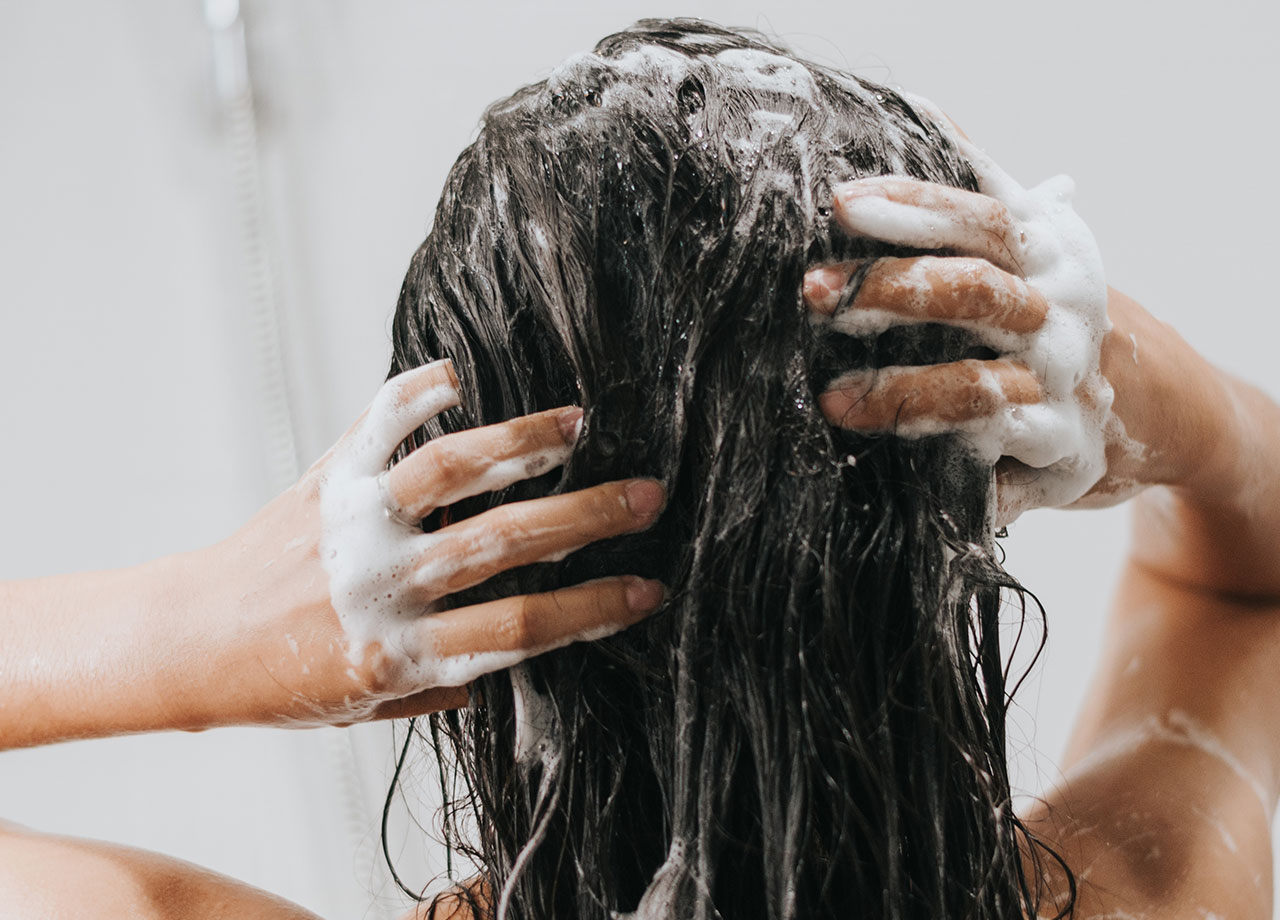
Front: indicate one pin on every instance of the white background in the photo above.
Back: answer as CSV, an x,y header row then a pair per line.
x,y
128,364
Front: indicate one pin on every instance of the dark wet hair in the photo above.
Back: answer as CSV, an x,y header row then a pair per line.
x,y
813,725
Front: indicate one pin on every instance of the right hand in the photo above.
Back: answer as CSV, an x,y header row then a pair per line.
x,y
1089,399
337,616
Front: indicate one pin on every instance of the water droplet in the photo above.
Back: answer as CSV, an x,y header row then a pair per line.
x,y
879,97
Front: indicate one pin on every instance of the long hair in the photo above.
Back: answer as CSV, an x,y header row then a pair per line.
x,y
813,725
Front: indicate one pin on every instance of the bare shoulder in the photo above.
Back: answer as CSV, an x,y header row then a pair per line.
x,y
1170,780
469,901
113,881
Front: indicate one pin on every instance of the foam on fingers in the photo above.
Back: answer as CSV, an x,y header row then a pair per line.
x,y
923,215
385,575
540,530
1058,300
454,647
933,399
480,460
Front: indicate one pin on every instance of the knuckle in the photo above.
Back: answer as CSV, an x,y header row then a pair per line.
x,y
609,510
516,529
379,671
998,216
470,560
979,398
438,464
519,625
609,601
987,281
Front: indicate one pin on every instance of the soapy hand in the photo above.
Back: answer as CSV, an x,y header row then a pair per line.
x,y
342,622
1020,271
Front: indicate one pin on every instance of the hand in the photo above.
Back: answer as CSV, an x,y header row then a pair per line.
x,y
338,613
1022,274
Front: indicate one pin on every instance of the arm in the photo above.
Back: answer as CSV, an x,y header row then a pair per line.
x,y
324,608
1179,722
1172,772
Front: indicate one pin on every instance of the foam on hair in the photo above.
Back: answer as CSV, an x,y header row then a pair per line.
x,y
814,724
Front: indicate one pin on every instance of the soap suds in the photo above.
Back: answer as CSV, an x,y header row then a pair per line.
x,y
535,720
1064,436
659,900
385,576
1175,727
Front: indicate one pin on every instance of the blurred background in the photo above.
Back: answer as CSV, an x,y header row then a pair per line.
x,y
206,210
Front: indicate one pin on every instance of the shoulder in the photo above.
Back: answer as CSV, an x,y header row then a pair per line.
x,y
117,881
1165,805
468,901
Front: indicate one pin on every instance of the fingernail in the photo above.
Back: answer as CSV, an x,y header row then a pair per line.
x,y
644,595
645,497
570,422
845,407
822,288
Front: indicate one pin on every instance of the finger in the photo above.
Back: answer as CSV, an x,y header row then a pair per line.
x,y
925,215
519,627
486,459
992,179
541,530
423,703
926,289
402,405
1018,488
929,399
420,394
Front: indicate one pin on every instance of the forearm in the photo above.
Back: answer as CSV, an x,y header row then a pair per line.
x,y
1218,528
95,654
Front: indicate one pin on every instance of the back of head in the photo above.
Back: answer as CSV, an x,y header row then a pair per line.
x,y
813,724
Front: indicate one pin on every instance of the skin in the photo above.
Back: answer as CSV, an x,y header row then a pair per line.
x,y
246,632
1173,770
1172,773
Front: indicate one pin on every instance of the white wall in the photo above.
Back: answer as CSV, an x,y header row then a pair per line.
x,y
127,362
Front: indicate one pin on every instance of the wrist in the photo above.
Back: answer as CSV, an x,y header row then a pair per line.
x,y
1218,528
1222,449
1169,399
209,674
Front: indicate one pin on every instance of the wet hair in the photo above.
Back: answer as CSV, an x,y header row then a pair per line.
x,y
813,724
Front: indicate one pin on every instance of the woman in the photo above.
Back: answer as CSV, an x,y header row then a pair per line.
x,y
1095,834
